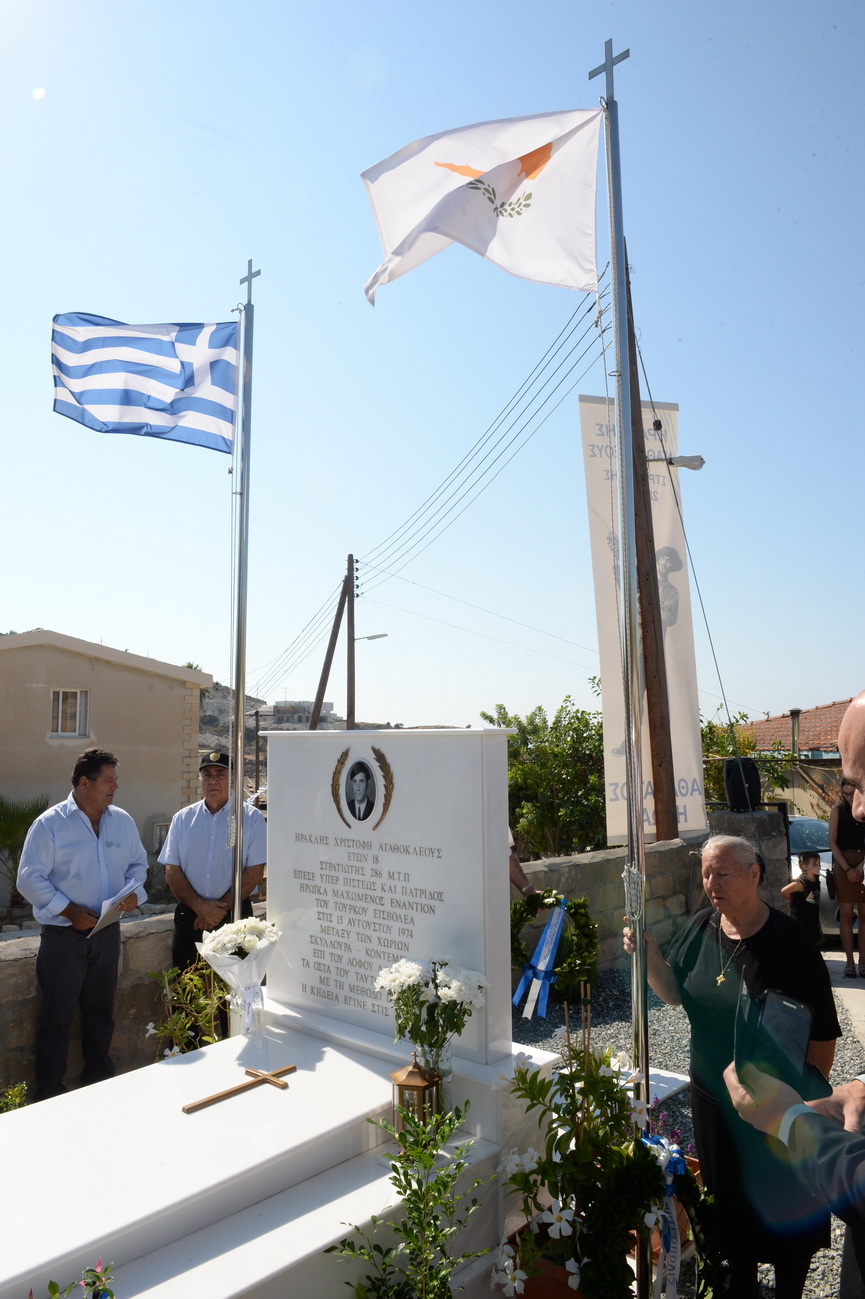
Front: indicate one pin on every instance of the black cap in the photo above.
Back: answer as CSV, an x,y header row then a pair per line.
x,y
215,760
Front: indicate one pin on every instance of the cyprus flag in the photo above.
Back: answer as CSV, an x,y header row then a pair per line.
x,y
520,192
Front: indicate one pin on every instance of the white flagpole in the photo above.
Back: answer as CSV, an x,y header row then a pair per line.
x,y
629,629
240,591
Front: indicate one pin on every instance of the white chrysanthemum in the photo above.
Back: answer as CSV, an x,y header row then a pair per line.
x,y
403,974
248,935
451,990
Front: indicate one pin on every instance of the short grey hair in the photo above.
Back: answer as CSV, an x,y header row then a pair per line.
x,y
735,845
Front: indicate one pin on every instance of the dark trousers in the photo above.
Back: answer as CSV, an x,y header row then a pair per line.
x,y
184,952
75,970
183,949
852,1285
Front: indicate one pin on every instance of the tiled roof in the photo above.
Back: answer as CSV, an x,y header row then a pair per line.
x,y
818,728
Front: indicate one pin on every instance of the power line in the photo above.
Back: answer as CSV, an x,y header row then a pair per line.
x,y
401,545
303,644
697,586
484,635
492,612
473,477
410,550
488,432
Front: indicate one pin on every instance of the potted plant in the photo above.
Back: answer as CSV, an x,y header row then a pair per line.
x,y
593,1184
422,1262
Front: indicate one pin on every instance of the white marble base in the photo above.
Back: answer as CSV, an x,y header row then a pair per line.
x,y
236,1198
663,1084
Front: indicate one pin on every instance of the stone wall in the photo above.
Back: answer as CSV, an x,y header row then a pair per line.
x,y
146,945
674,892
674,886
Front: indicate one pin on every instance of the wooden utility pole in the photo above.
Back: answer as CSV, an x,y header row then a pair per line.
x,y
651,627
349,632
328,655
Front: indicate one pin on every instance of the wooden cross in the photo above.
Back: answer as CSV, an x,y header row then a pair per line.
x,y
256,1076
607,66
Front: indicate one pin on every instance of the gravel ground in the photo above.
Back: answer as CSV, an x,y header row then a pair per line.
x,y
668,1049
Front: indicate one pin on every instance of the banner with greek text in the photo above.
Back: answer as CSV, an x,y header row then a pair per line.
x,y
597,420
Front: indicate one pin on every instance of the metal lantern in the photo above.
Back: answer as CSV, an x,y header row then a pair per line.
x,y
415,1090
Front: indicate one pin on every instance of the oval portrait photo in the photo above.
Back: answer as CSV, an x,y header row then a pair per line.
x,y
360,791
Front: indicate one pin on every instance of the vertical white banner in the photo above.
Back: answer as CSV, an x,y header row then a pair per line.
x,y
597,420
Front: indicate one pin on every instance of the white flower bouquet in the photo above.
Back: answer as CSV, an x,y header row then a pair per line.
x,y
240,954
432,1000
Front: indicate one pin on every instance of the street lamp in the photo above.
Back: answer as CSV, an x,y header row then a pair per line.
x,y
685,462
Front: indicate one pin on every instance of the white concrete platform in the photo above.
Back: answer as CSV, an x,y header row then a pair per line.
x,y
246,1254
239,1198
126,1171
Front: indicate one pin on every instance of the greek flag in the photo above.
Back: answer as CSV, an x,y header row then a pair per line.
x,y
177,382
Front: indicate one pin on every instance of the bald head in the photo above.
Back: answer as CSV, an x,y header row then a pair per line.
x,y
851,742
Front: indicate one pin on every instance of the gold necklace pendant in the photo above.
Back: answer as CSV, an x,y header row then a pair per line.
x,y
725,965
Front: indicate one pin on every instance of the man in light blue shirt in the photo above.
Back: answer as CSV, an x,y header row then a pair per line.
x,y
76,856
199,861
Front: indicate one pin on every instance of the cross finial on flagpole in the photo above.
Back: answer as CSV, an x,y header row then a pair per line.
x,y
251,274
607,66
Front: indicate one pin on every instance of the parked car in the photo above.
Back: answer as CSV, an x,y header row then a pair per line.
x,y
808,834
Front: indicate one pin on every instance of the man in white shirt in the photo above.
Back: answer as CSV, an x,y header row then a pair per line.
x,y
199,862
77,855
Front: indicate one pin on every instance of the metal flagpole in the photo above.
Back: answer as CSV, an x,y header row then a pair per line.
x,y
240,593
635,870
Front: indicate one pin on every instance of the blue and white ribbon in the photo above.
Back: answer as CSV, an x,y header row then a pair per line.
x,y
670,1254
538,972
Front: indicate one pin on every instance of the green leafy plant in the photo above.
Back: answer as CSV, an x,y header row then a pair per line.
x,y
94,1282
434,1211
595,1185
598,1178
13,1098
734,740
191,999
577,955
16,818
555,779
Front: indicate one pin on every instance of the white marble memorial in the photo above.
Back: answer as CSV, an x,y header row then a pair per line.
x,y
242,1198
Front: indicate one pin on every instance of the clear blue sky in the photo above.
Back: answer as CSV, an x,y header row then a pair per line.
x,y
174,141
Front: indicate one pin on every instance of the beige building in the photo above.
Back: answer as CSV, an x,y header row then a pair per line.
x,y
812,734
59,696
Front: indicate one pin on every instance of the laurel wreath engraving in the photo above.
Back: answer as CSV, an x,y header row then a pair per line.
x,y
511,208
387,776
334,784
